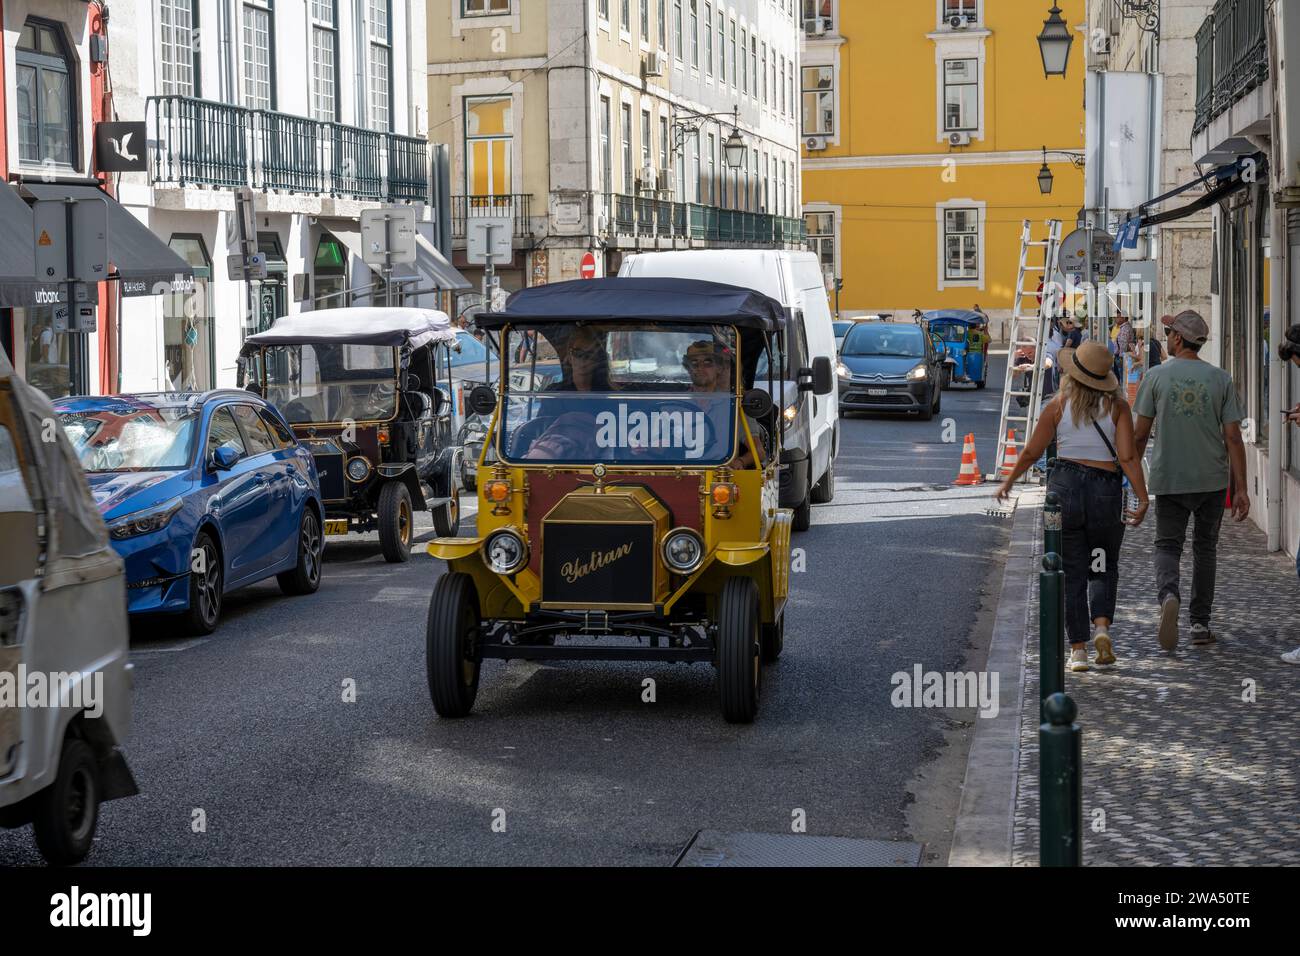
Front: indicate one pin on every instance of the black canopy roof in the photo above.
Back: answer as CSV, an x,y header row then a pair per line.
x,y
641,299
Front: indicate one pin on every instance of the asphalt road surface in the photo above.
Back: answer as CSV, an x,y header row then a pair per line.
x,y
247,753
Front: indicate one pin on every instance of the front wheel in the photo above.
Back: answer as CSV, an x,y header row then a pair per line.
x,y
395,525
67,811
450,633
206,586
945,381
927,410
824,490
738,650
304,578
446,517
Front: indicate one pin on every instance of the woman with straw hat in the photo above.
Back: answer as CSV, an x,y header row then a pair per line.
x,y
1090,420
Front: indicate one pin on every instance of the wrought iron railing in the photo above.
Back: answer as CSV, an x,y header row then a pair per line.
x,y
202,142
1231,56
514,205
643,218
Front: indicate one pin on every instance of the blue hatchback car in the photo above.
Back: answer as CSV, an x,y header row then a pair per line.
x,y
202,493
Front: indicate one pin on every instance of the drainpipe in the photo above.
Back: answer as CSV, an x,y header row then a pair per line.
x,y
1279,281
1277,373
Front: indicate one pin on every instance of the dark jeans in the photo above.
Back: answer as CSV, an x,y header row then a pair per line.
x,y
1091,499
1172,514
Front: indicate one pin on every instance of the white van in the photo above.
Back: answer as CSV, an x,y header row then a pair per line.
x,y
794,279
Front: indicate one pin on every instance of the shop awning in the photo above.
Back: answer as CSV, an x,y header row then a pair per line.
x,y
430,265
1220,183
138,257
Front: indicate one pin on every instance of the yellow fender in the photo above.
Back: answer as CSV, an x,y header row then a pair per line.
x,y
451,549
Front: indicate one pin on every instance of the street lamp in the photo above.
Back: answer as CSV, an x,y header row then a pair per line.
x,y
1054,43
734,148
1045,176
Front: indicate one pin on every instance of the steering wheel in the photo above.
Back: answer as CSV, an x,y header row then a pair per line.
x,y
527,433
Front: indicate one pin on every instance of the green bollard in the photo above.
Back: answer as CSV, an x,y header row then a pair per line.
x,y
1060,785
1051,627
1051,524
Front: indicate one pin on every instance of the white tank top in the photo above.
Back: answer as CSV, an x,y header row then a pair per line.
x,y
1083,442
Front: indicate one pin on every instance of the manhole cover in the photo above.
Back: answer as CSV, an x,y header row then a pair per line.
x,y
711,848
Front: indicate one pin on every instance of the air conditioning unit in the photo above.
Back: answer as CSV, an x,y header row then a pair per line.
x,y
667,181
814,143
649,180
957,22
653,65
959,139
814,27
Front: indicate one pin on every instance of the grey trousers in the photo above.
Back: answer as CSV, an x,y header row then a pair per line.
x,y
1172,515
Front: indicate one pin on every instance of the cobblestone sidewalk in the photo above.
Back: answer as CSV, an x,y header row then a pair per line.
x,y
1179,766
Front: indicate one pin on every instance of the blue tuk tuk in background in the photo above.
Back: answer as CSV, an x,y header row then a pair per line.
x,y
952,327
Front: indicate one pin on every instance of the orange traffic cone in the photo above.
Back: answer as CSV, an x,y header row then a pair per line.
x,y
970,473
1011,455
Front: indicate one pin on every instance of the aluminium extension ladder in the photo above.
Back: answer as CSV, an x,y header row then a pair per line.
x,y
1030,325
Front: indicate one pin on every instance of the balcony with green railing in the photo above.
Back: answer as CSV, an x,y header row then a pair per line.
x,y
206,143
1231,57
645,218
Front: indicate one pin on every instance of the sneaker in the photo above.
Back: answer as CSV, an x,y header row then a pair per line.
x,y
1292,657
1202,635
1168,633
1079,659
1105,652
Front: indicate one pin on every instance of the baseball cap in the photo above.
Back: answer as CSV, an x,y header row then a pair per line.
x,y
1189,325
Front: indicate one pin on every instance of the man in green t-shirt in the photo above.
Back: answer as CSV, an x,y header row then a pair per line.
x,y
1198,456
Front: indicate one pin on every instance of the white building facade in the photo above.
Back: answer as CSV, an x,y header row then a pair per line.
x,y
317,106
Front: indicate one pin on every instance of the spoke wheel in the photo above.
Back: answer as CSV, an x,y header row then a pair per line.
x,y
395,529
446,517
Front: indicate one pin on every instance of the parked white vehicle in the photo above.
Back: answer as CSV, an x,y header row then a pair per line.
x,y
65,675
795,280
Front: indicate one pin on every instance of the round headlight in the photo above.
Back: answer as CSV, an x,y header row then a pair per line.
x,y
358,468
505,552
683,550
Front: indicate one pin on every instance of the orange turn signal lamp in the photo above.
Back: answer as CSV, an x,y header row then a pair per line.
x,y
497,490
383,434
723,493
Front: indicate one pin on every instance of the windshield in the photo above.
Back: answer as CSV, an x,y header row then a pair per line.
x,y
949,331
332,383
650,395
905,341
130,438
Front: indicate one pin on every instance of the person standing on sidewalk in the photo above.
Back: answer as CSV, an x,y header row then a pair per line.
x,y
1198,456
1091,423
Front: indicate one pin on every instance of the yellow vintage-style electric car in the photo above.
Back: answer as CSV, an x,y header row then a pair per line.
x,y
628,487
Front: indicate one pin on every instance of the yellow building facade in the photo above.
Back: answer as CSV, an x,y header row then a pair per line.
x,y
924,124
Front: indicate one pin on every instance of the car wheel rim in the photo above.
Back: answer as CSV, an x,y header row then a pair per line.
x,y
209,585
81,798
453,510
311,548
404,523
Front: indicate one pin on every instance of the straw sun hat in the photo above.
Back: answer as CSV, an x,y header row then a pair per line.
x,y
1091,364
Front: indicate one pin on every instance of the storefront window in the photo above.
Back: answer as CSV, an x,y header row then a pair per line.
x,y
187,324
46,353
